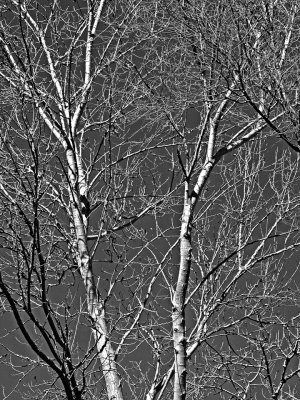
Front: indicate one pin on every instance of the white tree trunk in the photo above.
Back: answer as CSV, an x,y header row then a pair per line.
x,y
178,312
94,301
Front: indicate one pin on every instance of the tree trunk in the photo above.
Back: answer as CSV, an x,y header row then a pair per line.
x,y
178,312
94,302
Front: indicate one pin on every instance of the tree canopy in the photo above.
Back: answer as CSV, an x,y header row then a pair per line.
x,y
149,194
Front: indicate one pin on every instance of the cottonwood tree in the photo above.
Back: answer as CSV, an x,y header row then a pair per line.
x,y
224,58
148,237
56,61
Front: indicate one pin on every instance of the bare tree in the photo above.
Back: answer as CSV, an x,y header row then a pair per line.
x,y
223,64
149,236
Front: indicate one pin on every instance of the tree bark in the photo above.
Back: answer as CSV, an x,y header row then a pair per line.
x,y
94,301
178,312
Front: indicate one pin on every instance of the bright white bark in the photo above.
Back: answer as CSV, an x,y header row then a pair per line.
x,y
94,301
178,303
